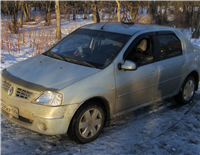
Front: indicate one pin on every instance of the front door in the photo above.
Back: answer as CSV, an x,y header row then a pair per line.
x,y
134,88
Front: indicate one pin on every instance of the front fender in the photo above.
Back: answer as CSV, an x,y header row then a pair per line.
x,y
91,93
100,85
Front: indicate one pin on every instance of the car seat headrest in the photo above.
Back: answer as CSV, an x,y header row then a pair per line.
x,y
142,45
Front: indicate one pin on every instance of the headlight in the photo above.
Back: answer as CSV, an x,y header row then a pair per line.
x,y
49,98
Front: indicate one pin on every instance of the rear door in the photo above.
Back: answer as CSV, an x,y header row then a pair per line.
x,y
171,65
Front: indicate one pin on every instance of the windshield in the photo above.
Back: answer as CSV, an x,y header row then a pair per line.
x,y
89,47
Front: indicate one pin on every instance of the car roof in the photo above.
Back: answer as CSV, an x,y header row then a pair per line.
x,y
119,27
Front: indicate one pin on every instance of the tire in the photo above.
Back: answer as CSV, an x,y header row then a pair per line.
x,y
187,91
87,123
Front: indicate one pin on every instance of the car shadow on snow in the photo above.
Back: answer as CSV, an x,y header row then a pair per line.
x,y
156,108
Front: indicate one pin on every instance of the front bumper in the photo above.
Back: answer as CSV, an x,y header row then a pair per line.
x,y
43,119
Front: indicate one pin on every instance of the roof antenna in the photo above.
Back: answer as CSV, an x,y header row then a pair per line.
x,y
104,25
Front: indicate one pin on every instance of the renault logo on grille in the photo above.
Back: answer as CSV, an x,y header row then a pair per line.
x,y
10,91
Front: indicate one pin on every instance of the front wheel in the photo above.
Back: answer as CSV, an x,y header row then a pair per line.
x,y
187,91
87,123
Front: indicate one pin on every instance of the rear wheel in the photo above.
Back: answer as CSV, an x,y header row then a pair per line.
x,y
187,91
87,123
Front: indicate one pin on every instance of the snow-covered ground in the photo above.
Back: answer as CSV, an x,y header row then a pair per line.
x,y
162,128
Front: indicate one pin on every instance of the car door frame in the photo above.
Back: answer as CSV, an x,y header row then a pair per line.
x,y
129,48
132,44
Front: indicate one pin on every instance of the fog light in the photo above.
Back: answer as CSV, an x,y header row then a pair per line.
x,y
42,126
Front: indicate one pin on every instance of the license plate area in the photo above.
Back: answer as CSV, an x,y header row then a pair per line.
x,y
10,110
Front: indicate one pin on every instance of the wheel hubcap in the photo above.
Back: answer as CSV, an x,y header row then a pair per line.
x,y
90,123
188,90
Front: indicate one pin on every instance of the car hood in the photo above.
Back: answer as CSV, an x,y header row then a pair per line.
x,y
50,72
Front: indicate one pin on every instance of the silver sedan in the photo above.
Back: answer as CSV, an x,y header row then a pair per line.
x,y
96,73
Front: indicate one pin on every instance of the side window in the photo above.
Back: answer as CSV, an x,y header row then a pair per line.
x,y
170,46
142,53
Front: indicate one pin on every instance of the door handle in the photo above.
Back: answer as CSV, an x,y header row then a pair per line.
x,y
184,62
153,72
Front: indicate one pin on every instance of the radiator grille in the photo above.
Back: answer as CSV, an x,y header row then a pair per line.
x,y
5,85
23,93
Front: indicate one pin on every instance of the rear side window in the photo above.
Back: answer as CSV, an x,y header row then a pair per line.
x,y
170,46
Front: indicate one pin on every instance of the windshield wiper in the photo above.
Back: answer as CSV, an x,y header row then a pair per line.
x,y
67,58
77,59
55,55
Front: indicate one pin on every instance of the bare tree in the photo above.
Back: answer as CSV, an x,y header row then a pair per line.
x,y
16,8
192,16
21,14
11,21
65,7
74,13
58,30
96,12
27,10
118,11
48,13
74,6
85,12
153,11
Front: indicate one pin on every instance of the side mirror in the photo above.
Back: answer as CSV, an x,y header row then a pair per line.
x,y
128,65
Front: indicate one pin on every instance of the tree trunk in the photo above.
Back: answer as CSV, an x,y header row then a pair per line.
x,y
68,13
118,11
148,7
21,15
74,13
110,12
85,11
14,28
153,11
25,14
96,13
188,15
177,7
28,12
39,7
192,16
164,16
196,33
134,10
21,19
58,30
48,13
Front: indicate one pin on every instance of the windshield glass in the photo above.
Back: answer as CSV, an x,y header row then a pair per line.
x,y
89,47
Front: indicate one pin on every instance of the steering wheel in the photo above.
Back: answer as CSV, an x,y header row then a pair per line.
x,y
140,50
110,55
79,52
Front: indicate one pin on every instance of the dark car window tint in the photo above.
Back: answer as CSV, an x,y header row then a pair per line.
x,y
170,46
142,53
